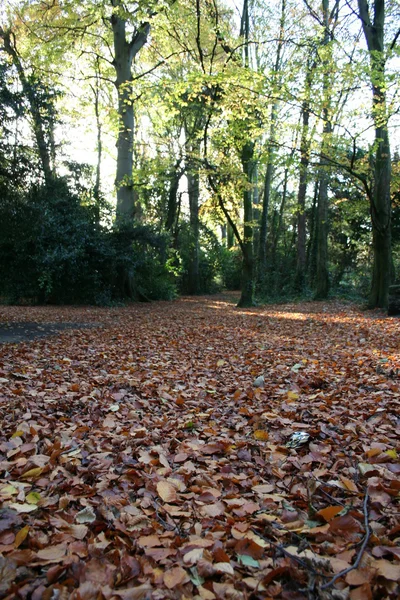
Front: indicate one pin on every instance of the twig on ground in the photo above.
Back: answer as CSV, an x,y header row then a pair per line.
x,y
304,563
360,552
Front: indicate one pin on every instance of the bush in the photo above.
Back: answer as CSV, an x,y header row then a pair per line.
x,y
53,250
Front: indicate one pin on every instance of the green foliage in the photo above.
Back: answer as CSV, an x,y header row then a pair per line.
x,y
53,250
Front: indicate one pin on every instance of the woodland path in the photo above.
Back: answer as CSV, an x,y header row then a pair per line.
x,y
138,460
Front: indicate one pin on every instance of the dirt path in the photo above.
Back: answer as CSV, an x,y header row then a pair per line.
x,y
138,459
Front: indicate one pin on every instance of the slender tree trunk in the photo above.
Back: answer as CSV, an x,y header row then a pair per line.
x,y
193,179
380,201
247,286
312,243
124,53
278,232
322,274
172,208
262,248
230,237
247,156
99,147
39,127
302,190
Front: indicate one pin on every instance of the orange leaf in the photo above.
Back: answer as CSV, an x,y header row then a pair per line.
x,y
329,512
261,435
349,484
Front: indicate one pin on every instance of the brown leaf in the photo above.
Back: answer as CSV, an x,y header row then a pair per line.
x,y
52,554
174,577
387,569
166,491
249,548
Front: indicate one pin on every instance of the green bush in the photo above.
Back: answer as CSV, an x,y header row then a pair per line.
x,y
53,250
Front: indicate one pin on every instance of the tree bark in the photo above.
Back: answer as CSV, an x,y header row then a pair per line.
x,y
193,180
124,53
301,262
380,201
322,274
247,286
262,248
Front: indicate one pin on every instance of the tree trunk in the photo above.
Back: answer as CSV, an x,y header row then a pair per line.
x,y
262,248
39,128
278,232
230,236
380,201
322,275
194,195
312,242
124,53
247,286
301,261
99,145
172,208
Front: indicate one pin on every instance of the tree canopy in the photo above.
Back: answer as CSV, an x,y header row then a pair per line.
x,y
154,148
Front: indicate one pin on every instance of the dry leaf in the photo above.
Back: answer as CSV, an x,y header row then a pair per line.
x,y
166,491
174,577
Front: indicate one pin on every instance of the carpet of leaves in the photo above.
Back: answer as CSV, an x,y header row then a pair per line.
x,y
138,460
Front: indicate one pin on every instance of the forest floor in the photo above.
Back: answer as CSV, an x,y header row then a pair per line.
x,y
144,456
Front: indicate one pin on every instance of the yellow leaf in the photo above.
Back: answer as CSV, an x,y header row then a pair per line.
x,y
292,395
8,490
33,498
32,473
17,433
261,435
391,453
220,362
21,536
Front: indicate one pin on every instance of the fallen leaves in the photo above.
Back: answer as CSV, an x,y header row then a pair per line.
x,y
152,459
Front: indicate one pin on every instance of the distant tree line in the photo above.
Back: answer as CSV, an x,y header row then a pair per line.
x,y
252,150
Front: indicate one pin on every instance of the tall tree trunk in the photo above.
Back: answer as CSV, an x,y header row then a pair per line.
x,y
262,248
302,190
39,127
247,285
247,156
278,232
172,208
124,53
193,180
230,236
312,242
99,144
380,202
322,274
